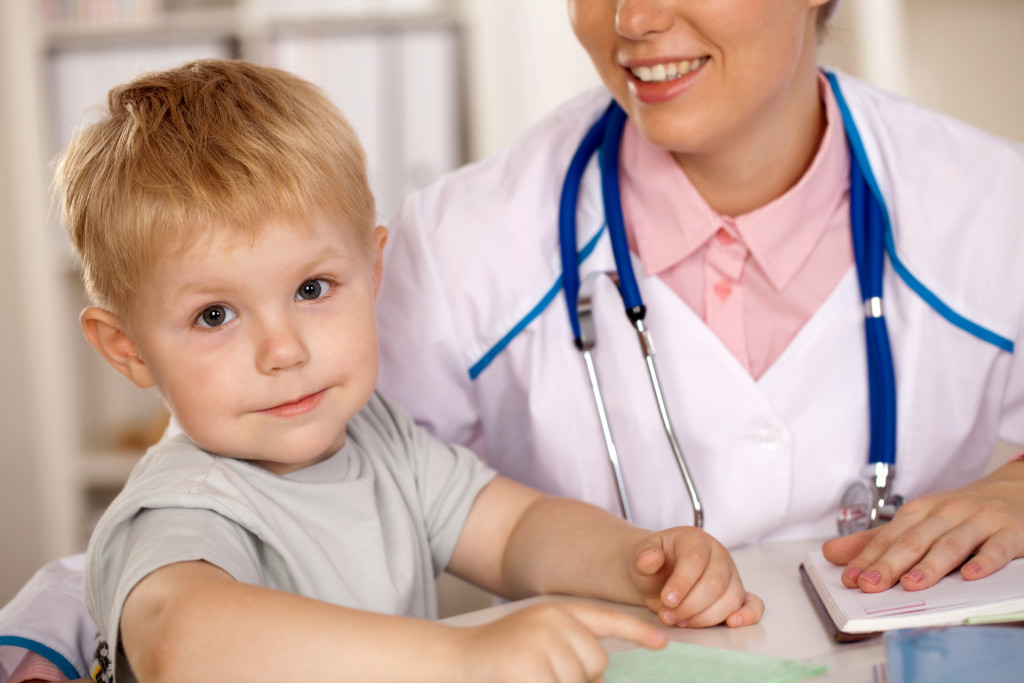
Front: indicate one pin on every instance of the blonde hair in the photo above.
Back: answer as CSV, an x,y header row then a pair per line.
x,y
212,144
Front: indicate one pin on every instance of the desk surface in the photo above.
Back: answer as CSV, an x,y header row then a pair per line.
x,y
789,628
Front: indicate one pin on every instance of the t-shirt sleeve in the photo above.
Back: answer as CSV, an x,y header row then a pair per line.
x,y
448,478
155,538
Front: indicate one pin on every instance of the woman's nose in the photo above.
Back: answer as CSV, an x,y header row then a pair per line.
x,y
638,19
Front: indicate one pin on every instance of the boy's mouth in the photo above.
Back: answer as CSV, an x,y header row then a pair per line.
x,y
297,407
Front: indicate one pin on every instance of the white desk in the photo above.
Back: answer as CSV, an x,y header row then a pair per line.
x,y
789,628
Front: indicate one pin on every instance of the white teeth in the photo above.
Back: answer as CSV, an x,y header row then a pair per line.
x,y
668,70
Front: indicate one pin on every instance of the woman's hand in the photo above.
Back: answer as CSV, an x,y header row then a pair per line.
x,y
979,526
688,578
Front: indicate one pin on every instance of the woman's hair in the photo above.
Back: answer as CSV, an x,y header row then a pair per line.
x,y
212,144
825,13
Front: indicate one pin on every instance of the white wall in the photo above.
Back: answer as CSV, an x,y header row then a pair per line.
x,y
522,60
961,57
21,548
968,60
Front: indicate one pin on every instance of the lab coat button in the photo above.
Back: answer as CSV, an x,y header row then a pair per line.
x,y
768,438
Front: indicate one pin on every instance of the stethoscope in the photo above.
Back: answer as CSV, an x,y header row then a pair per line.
x,y
869,501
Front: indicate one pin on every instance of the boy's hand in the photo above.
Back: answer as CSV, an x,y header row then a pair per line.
x,y
556,641
688,578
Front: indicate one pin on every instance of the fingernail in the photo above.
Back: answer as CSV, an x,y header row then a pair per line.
x,y
973,568
872,577
683,624
852,573
646,553
668,617
672,598
914,576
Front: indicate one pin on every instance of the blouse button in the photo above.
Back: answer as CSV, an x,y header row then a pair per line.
x,y
768,438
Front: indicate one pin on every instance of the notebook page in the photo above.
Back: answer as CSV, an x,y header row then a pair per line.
x,y
992,595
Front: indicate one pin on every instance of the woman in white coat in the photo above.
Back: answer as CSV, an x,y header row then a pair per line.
x,y
735,174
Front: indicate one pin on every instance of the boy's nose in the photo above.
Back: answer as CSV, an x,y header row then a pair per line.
x,y
280,347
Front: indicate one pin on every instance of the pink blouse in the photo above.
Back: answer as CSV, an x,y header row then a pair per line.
x,y
35,667
754,279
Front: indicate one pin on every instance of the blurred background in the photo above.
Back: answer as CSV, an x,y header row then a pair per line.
x,y
428,84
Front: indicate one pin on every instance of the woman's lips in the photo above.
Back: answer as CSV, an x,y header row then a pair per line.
x,y
661,82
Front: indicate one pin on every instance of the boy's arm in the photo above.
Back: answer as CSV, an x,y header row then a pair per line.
x,y
191,621
177,623
518,542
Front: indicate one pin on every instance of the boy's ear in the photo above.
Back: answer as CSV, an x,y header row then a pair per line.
x,y
380,238
104,331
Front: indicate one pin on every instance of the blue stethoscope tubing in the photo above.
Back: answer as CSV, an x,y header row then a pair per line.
x,y
868,219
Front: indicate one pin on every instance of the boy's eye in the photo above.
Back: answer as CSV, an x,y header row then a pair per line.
x,y
312,289
215,316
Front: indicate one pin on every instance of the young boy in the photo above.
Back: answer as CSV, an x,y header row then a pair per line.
x,y
226,232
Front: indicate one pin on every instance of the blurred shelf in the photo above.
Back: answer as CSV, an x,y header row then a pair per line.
x,y
230,22
216,23
363,21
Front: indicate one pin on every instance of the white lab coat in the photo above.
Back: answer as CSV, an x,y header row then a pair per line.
x,y
472,286
48,616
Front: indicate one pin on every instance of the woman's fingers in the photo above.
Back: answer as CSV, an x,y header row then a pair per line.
x,y
979,526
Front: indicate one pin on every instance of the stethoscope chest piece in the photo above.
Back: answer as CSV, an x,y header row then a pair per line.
x,y
869,502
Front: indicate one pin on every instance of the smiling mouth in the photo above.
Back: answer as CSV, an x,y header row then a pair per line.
x,y
668,71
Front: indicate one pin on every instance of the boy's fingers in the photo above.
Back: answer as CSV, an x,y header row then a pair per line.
x,y
650,558
715,597
688,564
750,613
650,567
702,576
588,657
605,622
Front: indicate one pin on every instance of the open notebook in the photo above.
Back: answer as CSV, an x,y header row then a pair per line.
x,y
851,615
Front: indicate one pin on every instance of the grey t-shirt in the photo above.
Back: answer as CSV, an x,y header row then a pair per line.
x,y
369,528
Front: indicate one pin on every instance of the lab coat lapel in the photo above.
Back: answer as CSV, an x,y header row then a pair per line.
x,y
745,442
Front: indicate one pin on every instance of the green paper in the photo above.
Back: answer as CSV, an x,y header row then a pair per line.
x,y
1005,618
698,664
